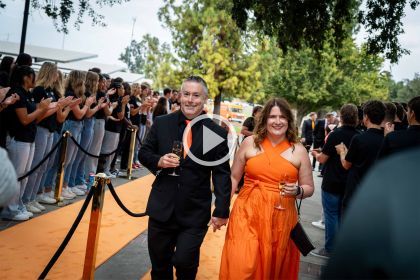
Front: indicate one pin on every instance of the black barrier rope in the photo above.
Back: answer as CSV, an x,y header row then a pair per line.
x,y
68,236
42,161
101,155
117,199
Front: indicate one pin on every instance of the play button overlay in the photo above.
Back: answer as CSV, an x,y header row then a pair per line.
x,y
211,140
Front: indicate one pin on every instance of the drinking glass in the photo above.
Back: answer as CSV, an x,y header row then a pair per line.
x,y
177,150
283,181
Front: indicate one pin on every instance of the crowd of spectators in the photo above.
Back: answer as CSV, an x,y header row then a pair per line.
x,y
100,112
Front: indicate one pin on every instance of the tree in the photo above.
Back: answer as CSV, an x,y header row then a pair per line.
x,y
403,91
62,11
154,60
207,42
309,83
134,57
307,23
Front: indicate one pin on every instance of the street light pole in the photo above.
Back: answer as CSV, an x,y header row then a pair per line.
x,y
24,26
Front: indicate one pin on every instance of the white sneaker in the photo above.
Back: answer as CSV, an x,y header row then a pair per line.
x,y
31,208
111,176
45,198
77,191
39,206
319,224
27,213
82,187
21,216
49,194
67,194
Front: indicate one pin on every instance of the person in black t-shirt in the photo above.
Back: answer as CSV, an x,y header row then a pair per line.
x,y
99,126
380,237
249,123
135,107
390,113
46,126
76,88
78,180
335,176
21,118
113,127
5,68
248,130
364,148
398,141
160,108
400,116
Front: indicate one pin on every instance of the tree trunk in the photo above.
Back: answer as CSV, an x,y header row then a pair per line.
x,y
217,102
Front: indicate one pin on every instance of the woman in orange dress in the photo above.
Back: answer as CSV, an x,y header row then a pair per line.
x,y
258,244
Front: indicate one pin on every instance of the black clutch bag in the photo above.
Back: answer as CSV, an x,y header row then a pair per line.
x,y
299,236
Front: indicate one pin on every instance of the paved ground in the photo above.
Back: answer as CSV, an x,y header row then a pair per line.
x,y
132,262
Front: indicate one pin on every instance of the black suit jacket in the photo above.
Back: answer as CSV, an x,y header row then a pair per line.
x,y
319,133
188,196
307,132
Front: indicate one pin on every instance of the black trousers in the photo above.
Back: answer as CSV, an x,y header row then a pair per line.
x,y
173,245
317,145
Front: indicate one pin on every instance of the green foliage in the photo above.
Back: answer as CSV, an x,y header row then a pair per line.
x,y
300,24
403,91
207,42
62,10
152,59
310,83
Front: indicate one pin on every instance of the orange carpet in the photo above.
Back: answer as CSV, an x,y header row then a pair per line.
x,y
210,254
26,248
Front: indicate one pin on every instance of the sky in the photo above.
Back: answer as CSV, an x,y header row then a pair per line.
x,y
108,42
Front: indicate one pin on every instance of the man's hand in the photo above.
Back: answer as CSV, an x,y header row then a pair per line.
x,y
217,223
169,161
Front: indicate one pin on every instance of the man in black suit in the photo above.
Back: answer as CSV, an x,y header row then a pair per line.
x,y
308,127
179,207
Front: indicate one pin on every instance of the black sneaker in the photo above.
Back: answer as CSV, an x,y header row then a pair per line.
x,y
321,253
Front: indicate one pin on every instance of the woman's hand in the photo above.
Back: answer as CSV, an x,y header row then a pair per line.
x,y
90,100
290,189
44,104
11,99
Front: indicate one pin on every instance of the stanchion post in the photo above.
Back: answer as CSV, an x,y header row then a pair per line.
x,y
60,171
94,225
131,152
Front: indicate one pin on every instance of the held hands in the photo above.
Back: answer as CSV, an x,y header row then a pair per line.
x,y
169,161
217,223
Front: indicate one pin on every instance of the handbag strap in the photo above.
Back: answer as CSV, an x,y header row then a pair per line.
x,y
300,202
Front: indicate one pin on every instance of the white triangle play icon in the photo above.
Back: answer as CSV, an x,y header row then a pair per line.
x,y
210,140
